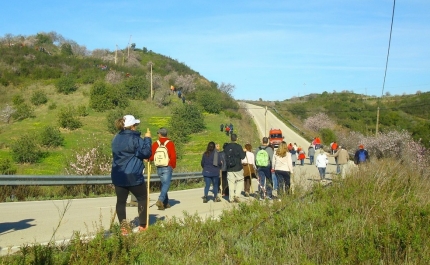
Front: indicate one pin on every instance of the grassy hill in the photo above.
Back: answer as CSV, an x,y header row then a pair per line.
x,y
36,65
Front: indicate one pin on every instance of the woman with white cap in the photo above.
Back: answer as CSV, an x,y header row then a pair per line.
x,y
321,163
128,151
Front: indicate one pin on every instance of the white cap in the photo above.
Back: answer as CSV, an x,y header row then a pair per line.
x,y
129,120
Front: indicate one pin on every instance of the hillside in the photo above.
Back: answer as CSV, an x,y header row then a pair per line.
x,y
53,87
355,112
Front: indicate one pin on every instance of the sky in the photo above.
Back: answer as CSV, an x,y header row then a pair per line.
x,y
271,49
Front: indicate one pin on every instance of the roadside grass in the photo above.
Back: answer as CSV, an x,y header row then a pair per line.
x,y
379,214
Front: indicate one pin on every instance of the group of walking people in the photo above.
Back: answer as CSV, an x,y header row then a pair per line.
x,y
227,128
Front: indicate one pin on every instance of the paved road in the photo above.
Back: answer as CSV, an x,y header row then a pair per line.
x,y
31,222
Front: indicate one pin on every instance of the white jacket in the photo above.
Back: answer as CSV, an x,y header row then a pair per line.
x,y
321,160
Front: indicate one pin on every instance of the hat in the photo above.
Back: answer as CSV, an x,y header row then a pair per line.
x,y
361,146
129,120
162,131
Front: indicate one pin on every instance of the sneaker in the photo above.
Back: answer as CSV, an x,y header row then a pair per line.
x,y
160,205
205,199
140,229
217,199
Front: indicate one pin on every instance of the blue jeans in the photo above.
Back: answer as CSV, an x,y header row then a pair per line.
x,y
165,174
321,170
311,160
214,180
284,181
275,181
264,175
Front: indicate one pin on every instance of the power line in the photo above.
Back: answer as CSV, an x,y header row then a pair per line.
x,y
389,45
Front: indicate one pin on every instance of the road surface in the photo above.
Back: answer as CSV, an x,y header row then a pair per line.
x,y
35,222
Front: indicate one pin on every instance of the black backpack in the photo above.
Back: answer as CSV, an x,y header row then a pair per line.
x,y
230,157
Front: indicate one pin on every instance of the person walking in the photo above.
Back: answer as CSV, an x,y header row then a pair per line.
x,y
361,155
128,151
234,154
342,158
211,164
283,167
248,168
222,127
263,157
223,180
302,156
311,154
321,163
164,157
293,152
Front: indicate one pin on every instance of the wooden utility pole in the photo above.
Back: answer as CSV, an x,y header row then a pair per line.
x,y
116,53
377,122
151,83
265,122
128,52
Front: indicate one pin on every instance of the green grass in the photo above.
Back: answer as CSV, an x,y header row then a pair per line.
x,y
379,214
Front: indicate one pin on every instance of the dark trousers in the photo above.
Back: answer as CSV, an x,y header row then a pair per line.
x,y
224,188
121,200
247,184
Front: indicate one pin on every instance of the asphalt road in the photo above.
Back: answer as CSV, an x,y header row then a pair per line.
x,y
35,222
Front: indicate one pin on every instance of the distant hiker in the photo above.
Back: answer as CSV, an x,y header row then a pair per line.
x,y
227,130
311,154
231,128
263,161
234,154
293,154
249,170
211,165
317,143
221,127
342,158
179,94
361,155
282,165
128,151
183,99
164,157
321,163
334,147
302,156
224,183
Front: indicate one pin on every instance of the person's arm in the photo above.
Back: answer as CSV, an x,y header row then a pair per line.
x,y
172,153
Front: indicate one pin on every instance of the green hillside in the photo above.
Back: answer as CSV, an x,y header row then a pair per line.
x,y
46,81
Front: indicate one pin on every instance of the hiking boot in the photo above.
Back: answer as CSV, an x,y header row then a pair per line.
x,y
140,229
160,205
205,199
217,199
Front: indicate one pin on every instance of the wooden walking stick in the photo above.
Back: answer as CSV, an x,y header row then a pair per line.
x,y
147,191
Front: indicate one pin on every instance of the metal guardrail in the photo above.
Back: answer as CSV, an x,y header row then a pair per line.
x,y
57,180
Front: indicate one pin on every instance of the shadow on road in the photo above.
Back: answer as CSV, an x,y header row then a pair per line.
x,y
9,227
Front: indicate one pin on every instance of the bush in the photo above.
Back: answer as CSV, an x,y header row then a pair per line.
x,y
232,114
327,135
105,97
66,85
23,111
82,110
186,119
39,98
51,137
211,101
26,149
6,167
67,118
136,87
96,159
111,117
52,106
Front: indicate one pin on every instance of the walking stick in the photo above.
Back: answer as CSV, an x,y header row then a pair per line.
x,y
147,192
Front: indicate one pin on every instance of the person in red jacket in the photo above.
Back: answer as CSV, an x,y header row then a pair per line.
x,y
164,172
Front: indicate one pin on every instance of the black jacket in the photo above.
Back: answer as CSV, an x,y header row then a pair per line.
x,y
239,154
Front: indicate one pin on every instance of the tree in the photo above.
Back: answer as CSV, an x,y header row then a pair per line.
x,y
227,88
7,113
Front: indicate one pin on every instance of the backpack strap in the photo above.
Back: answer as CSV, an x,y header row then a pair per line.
x,y
160,144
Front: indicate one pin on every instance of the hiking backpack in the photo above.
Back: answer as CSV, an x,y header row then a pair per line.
x,y
230,157
362,156
262,158
161,156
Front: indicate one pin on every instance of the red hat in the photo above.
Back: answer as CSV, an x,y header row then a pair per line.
x,y
361,146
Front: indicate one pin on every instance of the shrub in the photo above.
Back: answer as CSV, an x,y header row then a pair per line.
x,y
82,110
67,118
39,98
52,106
232,114
51,137
17,100
111,117
6,167
211,101
327,135
105,97
66,85
23,111
26,149
93,160
317,122
186,119
136,87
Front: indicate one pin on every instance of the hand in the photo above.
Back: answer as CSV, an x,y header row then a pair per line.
x,y
148,133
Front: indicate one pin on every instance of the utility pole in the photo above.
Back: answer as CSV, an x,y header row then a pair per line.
x,y
128,52
151,83
377,122
265,122
116,53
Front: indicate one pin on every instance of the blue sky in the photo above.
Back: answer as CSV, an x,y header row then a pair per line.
x,y
270,49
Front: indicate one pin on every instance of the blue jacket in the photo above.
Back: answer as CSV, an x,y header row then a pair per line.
x,y
207,163
128,151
